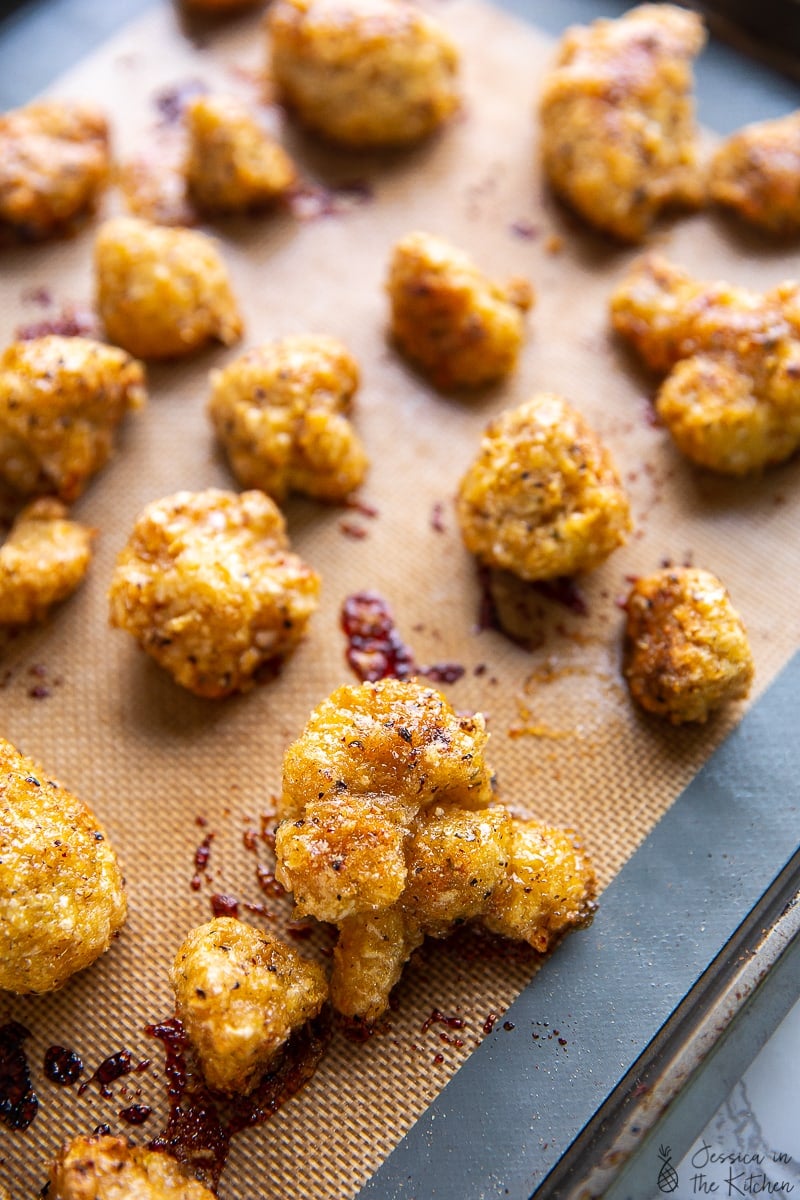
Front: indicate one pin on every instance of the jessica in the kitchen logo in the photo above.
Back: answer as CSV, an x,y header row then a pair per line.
x,y
723,1173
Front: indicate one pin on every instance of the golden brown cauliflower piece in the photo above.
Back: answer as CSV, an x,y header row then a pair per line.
x,y
42,561
386,831
162,293
543,498
281,413
154,187
619,141
208,587
686,648
61,400
732,397
233,165
53,165
240,994
109,1168
364,73
756,172
460,328
62,894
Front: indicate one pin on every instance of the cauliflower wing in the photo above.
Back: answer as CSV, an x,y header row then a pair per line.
x,y
281,413
109,1168
61,400
460,328
731,400
42,561
618,133
233,165
62,895
162,293
686,648
756,172
240,994
209,588
363,73
543,498
54,165
387,832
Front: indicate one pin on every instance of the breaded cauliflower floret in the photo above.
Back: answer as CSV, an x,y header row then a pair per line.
x,y
240,994
686,648
756,172
61,400
209,588
154,187
42,561
458,326
162,293
109,1168
62,895
732,397
364,73
233,164
387,832
619,141
543,498
53,165
281,412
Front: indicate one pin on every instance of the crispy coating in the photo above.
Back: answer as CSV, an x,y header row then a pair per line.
x,y
686,648
240,994
543,498
454,323
162,293
387,831
154,187
61,400
619,141
756,172
62,895
233,165
209,588
109,1168
42,561
364,73
731,399
53,165
281,412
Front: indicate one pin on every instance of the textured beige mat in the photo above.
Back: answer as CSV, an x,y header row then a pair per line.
x,y
152,759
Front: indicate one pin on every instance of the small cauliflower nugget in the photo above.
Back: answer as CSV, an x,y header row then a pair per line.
x,y
281,413
387,832
756,172
240,994
364,73
61,400
686,648
62,895
543,498
731,399
162,293
109,1168
454,323
42,561
233,164
209,588
53,165
619,140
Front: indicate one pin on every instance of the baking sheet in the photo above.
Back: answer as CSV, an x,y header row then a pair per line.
x,y
152,760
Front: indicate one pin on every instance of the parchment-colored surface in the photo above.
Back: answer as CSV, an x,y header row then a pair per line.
x,y
151,759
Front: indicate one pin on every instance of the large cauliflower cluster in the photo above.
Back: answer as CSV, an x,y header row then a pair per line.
x,y
543,498
686,650
363,73
209,588
387,831
619,140
281,412
731,399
